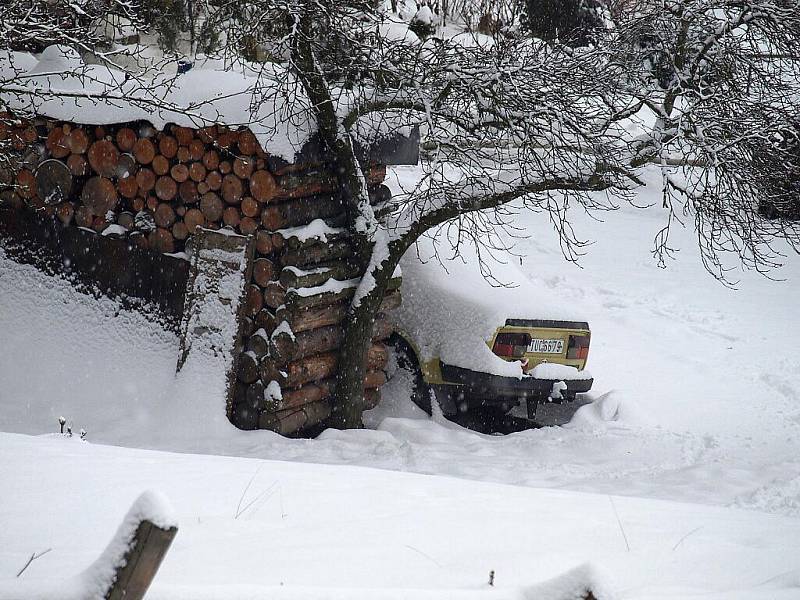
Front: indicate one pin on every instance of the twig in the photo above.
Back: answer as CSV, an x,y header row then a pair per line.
x,y
774,577
268,493
33,557
619,522
240,510
680,541
244,492
420,552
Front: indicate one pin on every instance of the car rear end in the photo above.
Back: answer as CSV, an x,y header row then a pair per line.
x,y
558,348
536,341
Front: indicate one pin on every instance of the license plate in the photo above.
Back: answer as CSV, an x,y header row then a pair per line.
x,y
546,346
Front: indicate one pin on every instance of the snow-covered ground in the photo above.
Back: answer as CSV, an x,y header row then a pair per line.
x,y
266,529
696,399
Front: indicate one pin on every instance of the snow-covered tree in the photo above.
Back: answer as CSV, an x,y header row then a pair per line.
x,y
33,25
542,125
514,120
721,81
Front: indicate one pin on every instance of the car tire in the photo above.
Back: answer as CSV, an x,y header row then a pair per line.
x,y
407,360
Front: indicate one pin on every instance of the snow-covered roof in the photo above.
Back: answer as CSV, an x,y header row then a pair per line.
x,y
60,85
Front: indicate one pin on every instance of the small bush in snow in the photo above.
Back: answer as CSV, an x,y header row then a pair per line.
x,y
423,23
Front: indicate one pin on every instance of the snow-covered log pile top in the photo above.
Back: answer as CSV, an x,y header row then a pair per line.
x,y
61,86
265,98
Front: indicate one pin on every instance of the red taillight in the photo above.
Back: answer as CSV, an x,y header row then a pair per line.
x,y
503,349
511,345
578,347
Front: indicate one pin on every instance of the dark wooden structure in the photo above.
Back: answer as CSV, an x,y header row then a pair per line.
x,y
113,266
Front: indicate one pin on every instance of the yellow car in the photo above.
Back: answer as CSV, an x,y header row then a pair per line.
x,y
472,343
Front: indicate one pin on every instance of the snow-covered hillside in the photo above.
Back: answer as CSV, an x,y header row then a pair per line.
x,y
696,399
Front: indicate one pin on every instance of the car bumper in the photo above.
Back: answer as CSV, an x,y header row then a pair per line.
x,y
489,387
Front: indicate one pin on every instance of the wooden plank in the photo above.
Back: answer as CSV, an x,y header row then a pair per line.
x,y
218,257
141,562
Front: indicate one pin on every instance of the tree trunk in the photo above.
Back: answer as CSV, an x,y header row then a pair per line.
x,y
349,393
349,396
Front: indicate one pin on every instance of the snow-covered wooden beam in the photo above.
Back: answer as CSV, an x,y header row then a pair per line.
x,y
146,547
124,570
210,333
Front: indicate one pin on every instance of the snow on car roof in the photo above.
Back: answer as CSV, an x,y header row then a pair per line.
x,y
451,310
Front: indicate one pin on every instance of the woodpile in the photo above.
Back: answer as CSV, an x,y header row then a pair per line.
x,y
158,187
295,307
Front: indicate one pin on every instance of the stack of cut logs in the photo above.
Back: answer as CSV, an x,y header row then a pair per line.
x,y
155,187
294,330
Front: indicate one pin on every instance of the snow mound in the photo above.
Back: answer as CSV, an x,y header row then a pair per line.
x,y
473,39
608,408
575,584
424,15
779,496
397,32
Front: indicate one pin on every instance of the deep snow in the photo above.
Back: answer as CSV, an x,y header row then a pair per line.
x,y
697,399
340,532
